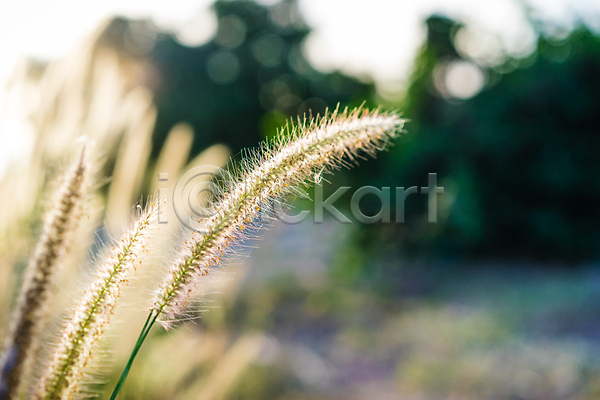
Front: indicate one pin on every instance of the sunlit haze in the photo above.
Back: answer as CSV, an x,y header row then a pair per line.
x,y
374,40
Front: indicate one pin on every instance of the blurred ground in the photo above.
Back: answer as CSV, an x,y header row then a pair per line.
x,y
484,331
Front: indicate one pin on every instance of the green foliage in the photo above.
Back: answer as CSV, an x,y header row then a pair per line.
x,y
274,78
519,161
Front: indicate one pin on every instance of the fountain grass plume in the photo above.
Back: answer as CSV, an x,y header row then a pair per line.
x,y
88,321
60,223
297,153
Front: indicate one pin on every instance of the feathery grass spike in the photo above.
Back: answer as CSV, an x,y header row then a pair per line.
x,y
89,319
59,224
294,156
323,144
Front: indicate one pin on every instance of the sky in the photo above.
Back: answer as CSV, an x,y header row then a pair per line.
x,y
374,39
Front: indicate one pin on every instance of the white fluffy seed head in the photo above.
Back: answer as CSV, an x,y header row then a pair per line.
x,y
60,223
89,319
293,157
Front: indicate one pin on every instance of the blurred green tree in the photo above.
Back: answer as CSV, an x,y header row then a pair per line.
x,y
519,161
244,83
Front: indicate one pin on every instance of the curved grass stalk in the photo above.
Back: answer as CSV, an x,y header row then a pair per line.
x,y
309,148
88,322
29,316
325,144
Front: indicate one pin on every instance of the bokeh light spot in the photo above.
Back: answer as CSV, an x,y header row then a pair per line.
x,y
269,50
459,79
231,32
223,67
198,30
